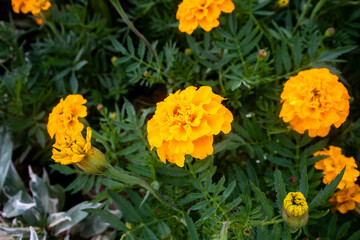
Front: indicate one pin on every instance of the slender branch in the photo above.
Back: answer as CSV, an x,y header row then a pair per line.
x,y
302,15
123,15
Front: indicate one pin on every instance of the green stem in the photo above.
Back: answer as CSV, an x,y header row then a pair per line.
x,y
129,178
302,15
123,15
264,223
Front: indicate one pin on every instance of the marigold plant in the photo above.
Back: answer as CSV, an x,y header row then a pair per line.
x,y
205,13
65,115
334,163
346,199
314,100
185,122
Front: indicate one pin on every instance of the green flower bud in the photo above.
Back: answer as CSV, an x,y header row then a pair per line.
x,y
329,32
261,54
94,162
188,51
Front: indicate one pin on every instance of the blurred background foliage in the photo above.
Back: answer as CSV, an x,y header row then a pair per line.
x,y
85,47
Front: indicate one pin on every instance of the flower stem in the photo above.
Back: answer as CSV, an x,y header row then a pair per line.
x,y
131,179
302,15
123,15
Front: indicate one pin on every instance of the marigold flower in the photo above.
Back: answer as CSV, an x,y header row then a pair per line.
x,y
64,116
334,163
295,210
314,100
72,147
185,122
345,199
33,6
205,13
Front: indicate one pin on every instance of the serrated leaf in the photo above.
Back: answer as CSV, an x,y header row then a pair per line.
x,y
74,84
263,200
109,218
279,188
332,54
191,228
325,193
304,185
200,205
128,210
229,189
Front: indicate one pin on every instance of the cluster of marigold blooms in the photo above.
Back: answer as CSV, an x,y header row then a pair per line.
x,y
314,100
31,6
70,146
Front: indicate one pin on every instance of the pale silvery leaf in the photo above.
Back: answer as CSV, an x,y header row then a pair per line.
x,y
57,218
17,205
33,235
6,147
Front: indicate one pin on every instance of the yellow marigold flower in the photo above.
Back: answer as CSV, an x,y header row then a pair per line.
x,y
185,122
72,147
314,100
33,6
295,210
345,199
283,3
64,116
205,13
334,163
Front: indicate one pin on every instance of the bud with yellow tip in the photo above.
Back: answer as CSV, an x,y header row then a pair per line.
x,y
295,211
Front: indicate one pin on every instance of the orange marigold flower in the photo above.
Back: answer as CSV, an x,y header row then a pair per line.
x,y
314,100
345,199
205,13
33,6
71,147
185,122
334,163
64,116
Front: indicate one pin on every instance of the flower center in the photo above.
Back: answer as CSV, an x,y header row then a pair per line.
x,y
183,114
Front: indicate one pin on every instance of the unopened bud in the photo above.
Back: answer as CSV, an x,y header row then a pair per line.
x,y
113,116
155,185
247,232
100,107
188,51
292,179
113,61
295,211
261,54
129,225
94,162
329,32
146,73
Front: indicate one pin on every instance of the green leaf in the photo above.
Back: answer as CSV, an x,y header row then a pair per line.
x,y
285,56
279,188
280,161
263,200
297,51
242,179
224,230
332,54
355,236
325,193
74,84
191,228
304,185
200,205
230,188
63,169
252,173
319,214
343,230
129,212
109,218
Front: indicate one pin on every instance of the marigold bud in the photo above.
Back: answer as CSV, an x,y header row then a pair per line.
x,y
295,211
146,73
329,32
113,116
261,54
188,51
129,225
94,162
100,107
113,61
